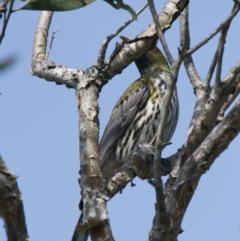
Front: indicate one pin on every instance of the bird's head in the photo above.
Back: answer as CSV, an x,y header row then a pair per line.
x,y
151,58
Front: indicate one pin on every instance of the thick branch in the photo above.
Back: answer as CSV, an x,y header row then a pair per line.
x,y
139,163
186,183
204,122
40,37
60,74
92,184
230,100
11,206
88,85
144,40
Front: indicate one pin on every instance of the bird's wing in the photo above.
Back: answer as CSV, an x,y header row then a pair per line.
x,y
122,116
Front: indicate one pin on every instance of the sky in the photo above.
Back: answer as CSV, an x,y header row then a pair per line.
x,y
39,125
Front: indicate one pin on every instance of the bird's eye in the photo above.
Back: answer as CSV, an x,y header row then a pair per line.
x,y
154,49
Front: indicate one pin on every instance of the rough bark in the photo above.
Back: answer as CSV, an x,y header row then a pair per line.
x,y
11,206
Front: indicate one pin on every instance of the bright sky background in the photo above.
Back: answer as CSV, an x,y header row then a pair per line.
x,y
39,125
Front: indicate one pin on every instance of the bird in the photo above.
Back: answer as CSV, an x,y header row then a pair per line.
x,y
136,116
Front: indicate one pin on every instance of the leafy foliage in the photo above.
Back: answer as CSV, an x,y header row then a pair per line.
x,y
56,5
118,4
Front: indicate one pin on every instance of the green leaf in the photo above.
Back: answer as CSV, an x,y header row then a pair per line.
x,y
55,5
118,4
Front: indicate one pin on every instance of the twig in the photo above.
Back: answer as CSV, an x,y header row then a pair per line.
x,y
216,56
222,41
212,68
3,6
185,45
162,220
211,35
162,223
159,32
102,52
50,43
6,19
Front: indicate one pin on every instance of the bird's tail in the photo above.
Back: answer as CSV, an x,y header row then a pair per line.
x,y
82,235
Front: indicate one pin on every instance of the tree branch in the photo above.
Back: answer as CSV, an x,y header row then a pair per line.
x,y
159,32
132,51
102,52
11,206
226,105
201,89
48,70
140,163
6,17
50,43
222,41
92,184
201,124
161,224
197,164
88,85
212,68
161,229
187,60
167,16
217,30
144,40
60,74
40,37
204,124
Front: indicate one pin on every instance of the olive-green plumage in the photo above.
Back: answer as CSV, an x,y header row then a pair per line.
x,y
136,115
